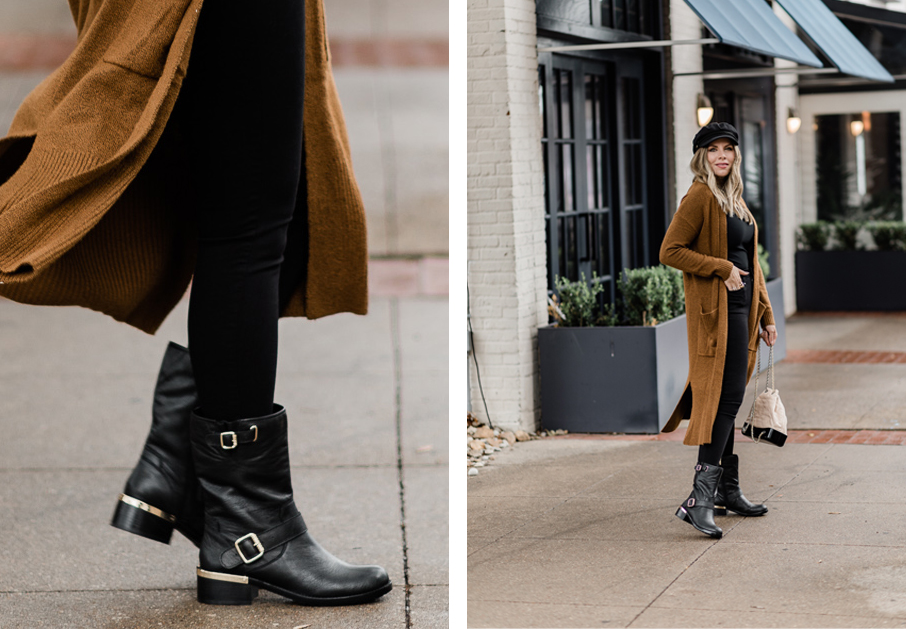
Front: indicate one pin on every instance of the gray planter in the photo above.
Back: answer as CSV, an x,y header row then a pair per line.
x,y
850,280
622,379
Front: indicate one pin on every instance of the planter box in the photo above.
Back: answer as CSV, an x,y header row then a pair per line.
x,y
850,280
622,379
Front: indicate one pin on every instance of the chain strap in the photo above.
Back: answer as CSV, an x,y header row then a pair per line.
x,y
769,379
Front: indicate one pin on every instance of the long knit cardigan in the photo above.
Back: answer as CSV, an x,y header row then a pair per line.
x,y
696,244
93,206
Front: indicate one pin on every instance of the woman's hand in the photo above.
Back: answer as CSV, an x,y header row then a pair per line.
x,y
734,282
769,334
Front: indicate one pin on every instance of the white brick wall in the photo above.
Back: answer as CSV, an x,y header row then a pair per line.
x,y
684,24
506,237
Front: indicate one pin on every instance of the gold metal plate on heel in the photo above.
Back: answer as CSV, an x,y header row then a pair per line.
x,y
144,506
222,576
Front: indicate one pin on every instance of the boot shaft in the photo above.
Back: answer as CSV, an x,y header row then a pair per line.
x,y
243,468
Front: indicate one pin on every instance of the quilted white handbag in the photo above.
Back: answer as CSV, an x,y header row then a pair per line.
x,y
767,418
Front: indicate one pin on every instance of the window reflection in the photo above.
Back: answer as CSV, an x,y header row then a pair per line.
x,y
858,166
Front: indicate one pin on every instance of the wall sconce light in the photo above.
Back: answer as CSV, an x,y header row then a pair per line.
x,y
793,121
856,127
704,111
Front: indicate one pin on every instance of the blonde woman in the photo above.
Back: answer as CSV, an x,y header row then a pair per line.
x,y
712,239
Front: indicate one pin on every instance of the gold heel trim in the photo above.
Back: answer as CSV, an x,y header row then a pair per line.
x,y
222,576
144,506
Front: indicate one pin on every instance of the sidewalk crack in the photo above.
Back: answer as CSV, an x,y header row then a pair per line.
x,y
398,404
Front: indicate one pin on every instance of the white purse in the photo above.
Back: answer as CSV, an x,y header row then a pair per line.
x,y
767,418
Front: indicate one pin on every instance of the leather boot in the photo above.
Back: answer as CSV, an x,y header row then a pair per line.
x,y
698,510
729,495
162,492
254,535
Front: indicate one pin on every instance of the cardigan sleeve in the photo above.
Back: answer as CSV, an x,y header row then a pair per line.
x,y
683,231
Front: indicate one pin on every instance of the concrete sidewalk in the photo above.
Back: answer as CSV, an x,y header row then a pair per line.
x,y
580,532
367,404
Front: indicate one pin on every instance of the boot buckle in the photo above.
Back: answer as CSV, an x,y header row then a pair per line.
x,y
232,445
255,542
691,502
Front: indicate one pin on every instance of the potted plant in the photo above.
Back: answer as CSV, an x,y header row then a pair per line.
x,y
620,368
850,266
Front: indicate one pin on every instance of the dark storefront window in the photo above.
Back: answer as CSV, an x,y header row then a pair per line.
x,y
858,166
590,18
595,179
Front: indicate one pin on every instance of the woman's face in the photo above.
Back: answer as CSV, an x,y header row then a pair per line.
x,y
721,156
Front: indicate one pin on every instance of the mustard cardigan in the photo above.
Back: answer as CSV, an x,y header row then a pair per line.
x,y
87,219
696,244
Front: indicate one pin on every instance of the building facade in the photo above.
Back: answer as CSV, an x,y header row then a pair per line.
x,y
579,157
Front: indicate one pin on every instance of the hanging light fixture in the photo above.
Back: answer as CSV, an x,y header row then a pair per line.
x,y
704,111
793,121
856,127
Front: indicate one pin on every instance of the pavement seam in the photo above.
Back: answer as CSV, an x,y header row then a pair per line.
x,y
398,403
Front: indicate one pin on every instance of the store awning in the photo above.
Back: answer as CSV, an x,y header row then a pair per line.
x,y
835,40
752,25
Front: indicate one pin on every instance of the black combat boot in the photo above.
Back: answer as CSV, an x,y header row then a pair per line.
x,y
698,510
729,495
162,492
254,535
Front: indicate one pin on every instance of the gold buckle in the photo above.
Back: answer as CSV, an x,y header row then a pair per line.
x,y
230,447
255,542
255,428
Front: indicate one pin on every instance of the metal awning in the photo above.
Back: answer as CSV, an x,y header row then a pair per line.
x,y
752,25
834,40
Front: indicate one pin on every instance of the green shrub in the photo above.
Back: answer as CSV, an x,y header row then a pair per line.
x,y
888,235
763,255
847,235
645,296
814,236
579,301
650,295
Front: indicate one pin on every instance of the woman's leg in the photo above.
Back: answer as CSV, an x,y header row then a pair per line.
x,y
242,103
733,388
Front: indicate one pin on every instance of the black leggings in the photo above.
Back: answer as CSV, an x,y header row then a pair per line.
x,y
241,112
733,388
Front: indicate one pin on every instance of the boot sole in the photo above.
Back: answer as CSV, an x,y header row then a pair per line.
x,y
721,511
220,588
140,518
683,515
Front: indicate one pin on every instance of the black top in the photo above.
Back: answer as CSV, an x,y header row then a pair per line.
x,y
739,237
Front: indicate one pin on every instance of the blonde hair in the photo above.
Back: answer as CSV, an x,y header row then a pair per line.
x,y
728,193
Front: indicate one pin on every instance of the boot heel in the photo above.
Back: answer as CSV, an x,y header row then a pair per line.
x,y
682,514
217,588
135,516
719,511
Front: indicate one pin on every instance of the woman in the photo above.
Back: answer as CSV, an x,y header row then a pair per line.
x,y
712,239
113,194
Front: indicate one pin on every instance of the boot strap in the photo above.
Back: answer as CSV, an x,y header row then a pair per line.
x,y
249,548
232,438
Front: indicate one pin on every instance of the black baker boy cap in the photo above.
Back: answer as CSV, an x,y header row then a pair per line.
x,y
715,131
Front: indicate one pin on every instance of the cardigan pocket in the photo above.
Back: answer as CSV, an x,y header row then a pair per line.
x,y
707,333
143,41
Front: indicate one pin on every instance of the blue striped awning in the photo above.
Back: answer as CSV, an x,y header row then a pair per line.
x,y
835,40
751,24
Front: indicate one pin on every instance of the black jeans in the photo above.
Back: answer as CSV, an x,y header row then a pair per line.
x,y
241,113
733,387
